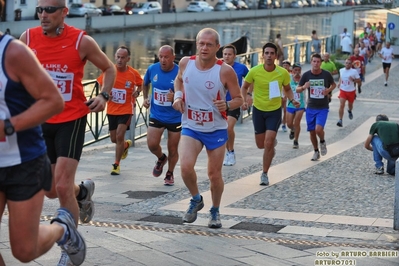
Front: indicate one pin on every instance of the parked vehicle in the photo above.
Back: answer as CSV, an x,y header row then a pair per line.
x,y
296,4
147,8
224,6
240,4
199,6
83,10
311,3
340,2
265,4
350,3
112,10
276,4
332,3
322,3
304,3
129,6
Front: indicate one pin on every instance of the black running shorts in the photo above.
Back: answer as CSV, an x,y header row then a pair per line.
x,y
170,127
65,139
21,182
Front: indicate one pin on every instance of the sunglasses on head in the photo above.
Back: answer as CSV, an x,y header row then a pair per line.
x,y
48,9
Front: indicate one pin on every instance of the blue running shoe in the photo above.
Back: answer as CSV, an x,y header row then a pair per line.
x,y
75,245
214,220
191,214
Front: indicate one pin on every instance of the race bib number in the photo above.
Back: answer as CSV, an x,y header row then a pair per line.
x,y
161,97
316,92
200,117
118,96
297,96
64,82
317,88
274,90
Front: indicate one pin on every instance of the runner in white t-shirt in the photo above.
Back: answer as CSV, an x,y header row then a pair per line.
x,y
347,90
386,54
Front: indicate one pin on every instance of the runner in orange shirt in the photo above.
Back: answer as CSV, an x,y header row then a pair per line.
x,y
120,108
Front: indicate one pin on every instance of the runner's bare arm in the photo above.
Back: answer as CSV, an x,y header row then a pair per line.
x,y
90,50
230,81
178,103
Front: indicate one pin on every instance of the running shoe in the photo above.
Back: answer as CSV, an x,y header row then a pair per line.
x,y
323,148
232,158
284,128
316,156
191,214
264,180
126,151
86,205
295,145
158,168
169,179
116,169
214,219
75,246
385,84
379,170
64,260
339,123
292,135
350,114
226,159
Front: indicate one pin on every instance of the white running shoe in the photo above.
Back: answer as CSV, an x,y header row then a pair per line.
x,y
232,159
323,148
316,156
226,159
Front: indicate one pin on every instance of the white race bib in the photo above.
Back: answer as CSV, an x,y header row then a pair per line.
x,y
200,117
64,82
118,95
161,97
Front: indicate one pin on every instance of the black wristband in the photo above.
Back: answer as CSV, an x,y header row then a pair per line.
x,y
250,94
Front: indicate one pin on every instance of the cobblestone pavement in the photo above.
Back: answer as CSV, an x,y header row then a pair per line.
x,y
308,218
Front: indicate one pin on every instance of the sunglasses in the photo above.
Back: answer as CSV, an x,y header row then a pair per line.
x,y
48,9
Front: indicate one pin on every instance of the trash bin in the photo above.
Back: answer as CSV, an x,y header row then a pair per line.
x,y
18,13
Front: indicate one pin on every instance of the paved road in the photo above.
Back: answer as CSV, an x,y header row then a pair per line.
x,y
312,212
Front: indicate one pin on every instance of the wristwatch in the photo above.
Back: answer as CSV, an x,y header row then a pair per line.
x,y
8,127
105,95
227,106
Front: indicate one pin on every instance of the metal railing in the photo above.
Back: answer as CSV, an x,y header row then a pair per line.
x,y
97,123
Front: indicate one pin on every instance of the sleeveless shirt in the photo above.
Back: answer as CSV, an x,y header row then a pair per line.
x,y
60,57
201,88
25,145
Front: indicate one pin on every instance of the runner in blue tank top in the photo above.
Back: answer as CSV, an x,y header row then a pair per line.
x,y
161,76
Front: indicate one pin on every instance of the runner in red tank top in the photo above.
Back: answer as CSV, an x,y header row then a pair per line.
x,y
63,51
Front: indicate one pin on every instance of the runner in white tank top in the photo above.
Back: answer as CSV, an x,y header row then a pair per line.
x,y
200,95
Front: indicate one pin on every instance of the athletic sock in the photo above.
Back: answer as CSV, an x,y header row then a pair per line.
x,y
214,209
82,193
65,236
197,198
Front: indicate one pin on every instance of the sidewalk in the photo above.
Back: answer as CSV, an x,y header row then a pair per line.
x,y
310,212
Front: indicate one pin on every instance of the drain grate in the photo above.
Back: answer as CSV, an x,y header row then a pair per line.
x,y
267,228
143,194
163,219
